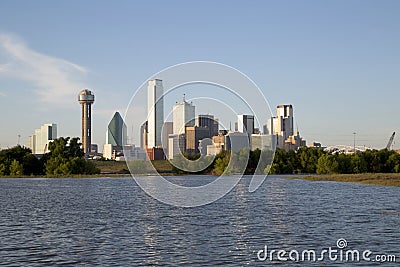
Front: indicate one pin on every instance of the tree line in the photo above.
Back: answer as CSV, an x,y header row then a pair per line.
x,y
65,157
317,161
305,160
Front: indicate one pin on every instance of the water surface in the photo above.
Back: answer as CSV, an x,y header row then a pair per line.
x,y
112,222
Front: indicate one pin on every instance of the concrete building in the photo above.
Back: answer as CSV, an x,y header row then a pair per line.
x,y
167,130
219,141
282,129
131,152
116,131
143,135
193,135
127,152
86,99
155,153
282,125
176,145
94,148
245,124
235,141
293,142
261,142
155,107
209,122
39,142
315,144
183,114
204,144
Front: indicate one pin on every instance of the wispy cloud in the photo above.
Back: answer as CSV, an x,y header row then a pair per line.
x,y
2,94
55,80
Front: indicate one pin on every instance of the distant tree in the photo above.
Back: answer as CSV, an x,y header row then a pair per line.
x,y
66,157
4,169
221,163
358,163
327,164
16,168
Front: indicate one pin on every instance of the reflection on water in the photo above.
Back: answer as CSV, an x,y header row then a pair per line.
x,y
112,222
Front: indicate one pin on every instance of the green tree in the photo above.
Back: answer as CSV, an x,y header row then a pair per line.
x,y
16,168
358,163
327,164
221,163
66,157
4,169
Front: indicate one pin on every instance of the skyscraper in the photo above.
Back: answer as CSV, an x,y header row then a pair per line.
x,y
246,124
86,99
143,135
155,107
167,130
209,122
182,115
282,125
282,129
116,131
39,142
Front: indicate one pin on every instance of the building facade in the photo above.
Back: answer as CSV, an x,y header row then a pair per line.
x,y
183,114
193,135
143,135
281,128
39,142
116,131
86,99
167,130
209,122
245,124
155,108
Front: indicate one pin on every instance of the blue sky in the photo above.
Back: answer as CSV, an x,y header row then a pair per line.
x,y
337,62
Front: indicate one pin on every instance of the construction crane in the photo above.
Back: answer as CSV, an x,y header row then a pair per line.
x,y
390,141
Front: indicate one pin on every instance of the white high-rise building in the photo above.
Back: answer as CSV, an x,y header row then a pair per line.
x,y
155,107
183,114
282,129
39,142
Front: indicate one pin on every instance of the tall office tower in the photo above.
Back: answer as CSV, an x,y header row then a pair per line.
x,y
209,122
246,124
167,130
182,116
116,131
143,135
155,107
282,125
86,99
39,142
193,135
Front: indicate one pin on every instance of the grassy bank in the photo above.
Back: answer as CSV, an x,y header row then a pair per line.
x,y
384,179
120,167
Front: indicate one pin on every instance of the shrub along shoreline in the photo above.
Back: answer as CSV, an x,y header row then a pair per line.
x,y
383,179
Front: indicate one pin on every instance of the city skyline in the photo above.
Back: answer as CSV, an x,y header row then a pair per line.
x,y
339,73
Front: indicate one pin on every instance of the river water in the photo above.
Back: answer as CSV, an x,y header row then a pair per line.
x,y
112,222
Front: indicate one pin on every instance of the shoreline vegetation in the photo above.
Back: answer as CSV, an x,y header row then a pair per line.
x,y
382,179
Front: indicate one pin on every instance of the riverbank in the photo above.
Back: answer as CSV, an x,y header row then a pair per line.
x,y
384,179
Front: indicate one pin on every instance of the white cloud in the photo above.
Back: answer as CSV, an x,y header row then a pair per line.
x,y
2,94
56,81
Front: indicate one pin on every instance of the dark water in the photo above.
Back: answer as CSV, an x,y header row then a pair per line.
x,y
112,222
